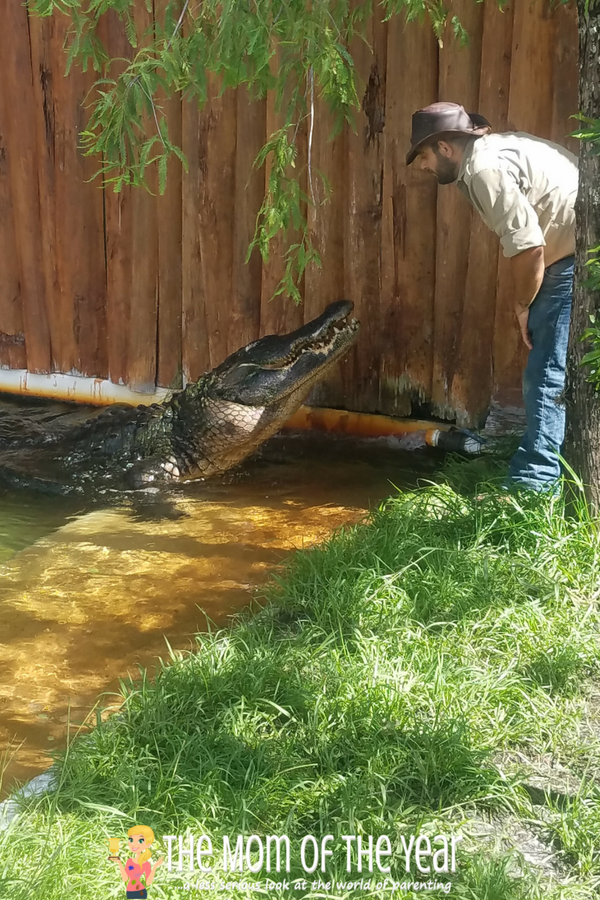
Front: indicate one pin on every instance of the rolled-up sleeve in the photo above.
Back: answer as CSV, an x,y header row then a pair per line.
x,y
506,210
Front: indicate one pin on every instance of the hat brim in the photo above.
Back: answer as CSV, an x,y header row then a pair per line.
x,y
439,136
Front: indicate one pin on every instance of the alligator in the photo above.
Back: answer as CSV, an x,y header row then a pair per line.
x,y
203,430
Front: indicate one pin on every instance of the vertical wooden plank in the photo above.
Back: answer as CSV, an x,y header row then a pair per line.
x,y
326,214
496,62
565,98
363,214
143,316
326,228
118,300
278,314
169,223
131,261
216,216
13,354
195,352
20,142
72,208
143,289
244,313
79,214
533,61
209,193
117,227
472,382
169,216
12,338
41,34
534,35
458,82
409,223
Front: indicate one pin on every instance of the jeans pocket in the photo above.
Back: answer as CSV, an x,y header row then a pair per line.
x,y
560,268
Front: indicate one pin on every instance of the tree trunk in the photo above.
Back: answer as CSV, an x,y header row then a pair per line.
x,y
582,447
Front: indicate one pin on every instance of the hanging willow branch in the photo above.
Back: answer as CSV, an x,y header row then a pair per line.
x,y
236,41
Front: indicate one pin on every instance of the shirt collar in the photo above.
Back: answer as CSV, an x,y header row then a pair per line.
x,y
467,157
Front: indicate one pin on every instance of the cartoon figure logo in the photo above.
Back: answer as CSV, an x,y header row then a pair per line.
x,y
137,871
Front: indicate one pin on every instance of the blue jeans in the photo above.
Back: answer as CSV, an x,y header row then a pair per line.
x,y
536,465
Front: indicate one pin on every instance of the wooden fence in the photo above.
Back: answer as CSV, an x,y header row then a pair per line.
x,y
144,289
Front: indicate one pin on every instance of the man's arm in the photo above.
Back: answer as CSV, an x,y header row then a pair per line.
x,y
528,274
496,195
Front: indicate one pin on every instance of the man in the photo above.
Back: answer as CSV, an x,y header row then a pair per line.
x,y
524,188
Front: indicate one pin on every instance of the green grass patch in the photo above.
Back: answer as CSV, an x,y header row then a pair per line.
x,y
372,695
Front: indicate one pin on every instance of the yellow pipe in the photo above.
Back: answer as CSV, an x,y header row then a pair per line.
x,y
359,424
98,391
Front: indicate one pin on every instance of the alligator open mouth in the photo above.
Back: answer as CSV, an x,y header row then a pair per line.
x,y
275,365
327,335
333,336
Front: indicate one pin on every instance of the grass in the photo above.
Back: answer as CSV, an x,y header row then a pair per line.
x,y
392,673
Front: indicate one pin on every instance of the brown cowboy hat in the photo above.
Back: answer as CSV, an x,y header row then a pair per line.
x,y
434,122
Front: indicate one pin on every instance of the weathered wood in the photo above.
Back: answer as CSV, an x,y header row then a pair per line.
x,y
409,223
143,288
533,61
208,205
41,32
169,222
326,227
131,262
565,101
509,351
472,382
20,143
217,136
363,213
180,296
118,272
169,216
12,337
72,208
195,352
117,228
278,313
459,82
244,323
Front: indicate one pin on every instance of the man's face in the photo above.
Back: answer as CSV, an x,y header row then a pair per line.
x,y
440,161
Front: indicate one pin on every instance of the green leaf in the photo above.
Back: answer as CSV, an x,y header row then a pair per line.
x,y
592,356
162,173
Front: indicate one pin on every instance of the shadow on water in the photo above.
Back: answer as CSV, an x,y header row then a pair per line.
x,y
89,590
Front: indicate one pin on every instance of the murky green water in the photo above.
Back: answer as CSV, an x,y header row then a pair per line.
x,y
25,517
88,593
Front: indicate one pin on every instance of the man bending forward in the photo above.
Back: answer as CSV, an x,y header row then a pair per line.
x,y
524,188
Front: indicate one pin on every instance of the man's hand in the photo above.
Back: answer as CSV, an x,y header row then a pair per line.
x,y
528,274
523,319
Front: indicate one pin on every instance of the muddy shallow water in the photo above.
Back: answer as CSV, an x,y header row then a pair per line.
x,y
88,593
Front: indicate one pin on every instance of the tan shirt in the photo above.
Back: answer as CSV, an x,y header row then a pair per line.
x,y
524,188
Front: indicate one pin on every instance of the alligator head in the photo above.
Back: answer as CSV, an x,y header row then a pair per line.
x,y
226,414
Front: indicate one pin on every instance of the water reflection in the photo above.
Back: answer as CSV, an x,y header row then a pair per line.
x,y
95,597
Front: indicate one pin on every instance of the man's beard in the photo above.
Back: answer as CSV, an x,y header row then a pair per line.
x,y
447,169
